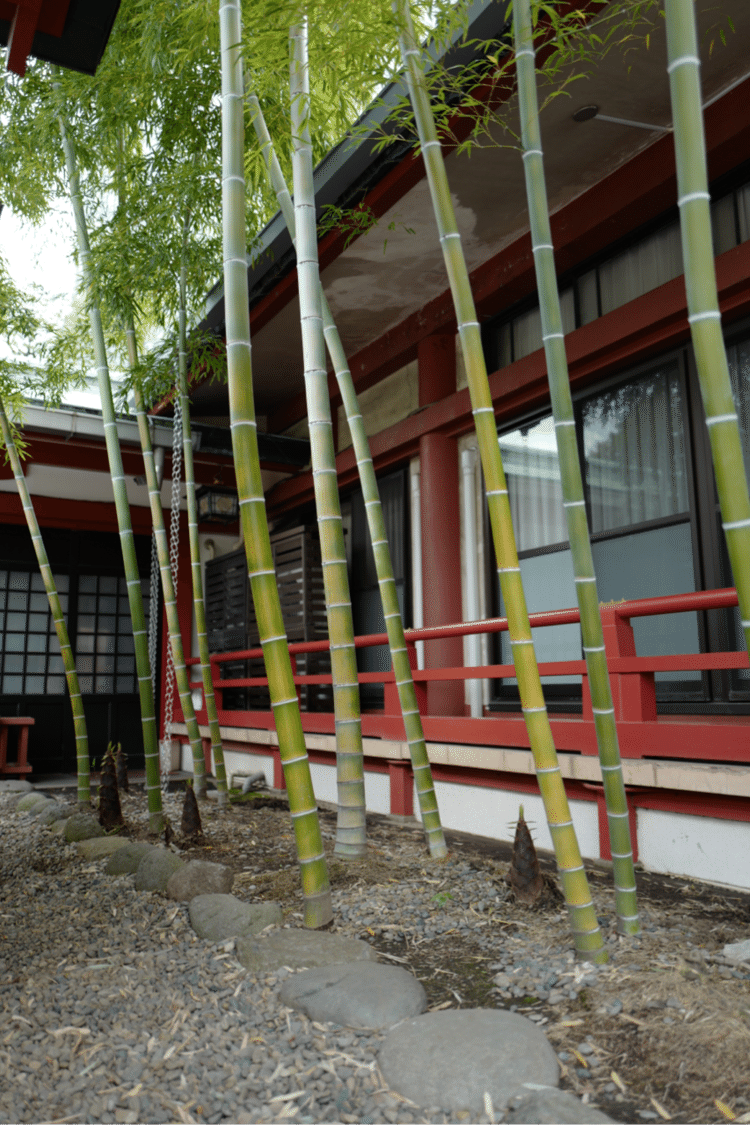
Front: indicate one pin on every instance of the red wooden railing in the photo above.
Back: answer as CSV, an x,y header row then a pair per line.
x,y
641,732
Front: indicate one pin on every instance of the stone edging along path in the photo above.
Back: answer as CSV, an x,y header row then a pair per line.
x,y
485,1061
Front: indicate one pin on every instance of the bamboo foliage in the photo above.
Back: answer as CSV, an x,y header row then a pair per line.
x,y
195,552
702,296
61,629
284,702
170,597
570,475
350,826
587,936
381,551
135,597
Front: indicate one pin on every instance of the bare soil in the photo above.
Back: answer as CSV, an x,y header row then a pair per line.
x,y
679,1047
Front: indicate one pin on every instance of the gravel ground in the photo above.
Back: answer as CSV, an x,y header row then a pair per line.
x,y
114,1011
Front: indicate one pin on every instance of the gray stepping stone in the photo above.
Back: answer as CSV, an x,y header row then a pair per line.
x,y
738,951
301,949
50,815
15,785
452,1058
155,870
547,1106
127,860
200,878
216,917
31,801
100,847
359,994
82,826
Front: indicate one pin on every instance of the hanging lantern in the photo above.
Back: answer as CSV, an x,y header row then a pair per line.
x,y
217,504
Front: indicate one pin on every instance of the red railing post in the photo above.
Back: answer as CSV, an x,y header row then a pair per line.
x,y
633,693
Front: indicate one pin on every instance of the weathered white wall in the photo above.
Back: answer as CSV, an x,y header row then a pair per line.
x,y
388,402
494,813
700,847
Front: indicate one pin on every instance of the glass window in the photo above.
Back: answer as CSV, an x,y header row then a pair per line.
x,y
19,580
530,459
635,452
548,584
738,356
639,269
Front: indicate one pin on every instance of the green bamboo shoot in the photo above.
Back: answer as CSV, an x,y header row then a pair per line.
x,y
195,552
350,778
586,933
135,596
570,476
381,551
702,295
61,629
315,885
181,673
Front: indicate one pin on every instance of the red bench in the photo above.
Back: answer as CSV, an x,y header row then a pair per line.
x,y
20,766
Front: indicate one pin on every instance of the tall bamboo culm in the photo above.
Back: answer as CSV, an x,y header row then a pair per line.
x,y
570,475
702,296
381,551
199,605
586,933
167,584
61,629
315,885
350,778
122,508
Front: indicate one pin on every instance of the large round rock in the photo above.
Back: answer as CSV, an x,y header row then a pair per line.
x,y
361,994
452,1058
155,870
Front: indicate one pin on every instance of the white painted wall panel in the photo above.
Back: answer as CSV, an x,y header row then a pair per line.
x,y
700,847
494,812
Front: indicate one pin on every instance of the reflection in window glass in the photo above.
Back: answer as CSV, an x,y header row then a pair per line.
x,y
739,370
635,452
533,473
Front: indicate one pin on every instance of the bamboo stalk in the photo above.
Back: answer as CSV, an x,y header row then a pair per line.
x,y
571,477
350,778
381,551
586,933
61,629
122,508
181,673
702,295
199,605
315,885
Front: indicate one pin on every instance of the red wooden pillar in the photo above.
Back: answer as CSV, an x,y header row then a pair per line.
x,y
441,526
401,781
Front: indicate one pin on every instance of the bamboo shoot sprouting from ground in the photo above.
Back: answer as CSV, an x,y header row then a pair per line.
x,y
195,552
570,475
182,676
61,629
350,778
135,596
376,523
702,296
315,885
585,927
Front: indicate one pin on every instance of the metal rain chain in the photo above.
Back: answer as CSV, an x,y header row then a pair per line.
x,y
174,551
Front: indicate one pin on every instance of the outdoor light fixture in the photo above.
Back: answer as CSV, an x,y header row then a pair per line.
x,y
589,112
217,504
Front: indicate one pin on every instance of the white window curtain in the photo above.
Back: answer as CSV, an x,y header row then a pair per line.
x,y
531,467
635,452
641,268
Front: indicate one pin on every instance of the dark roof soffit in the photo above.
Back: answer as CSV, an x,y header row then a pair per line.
x,y
351,169
87,29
